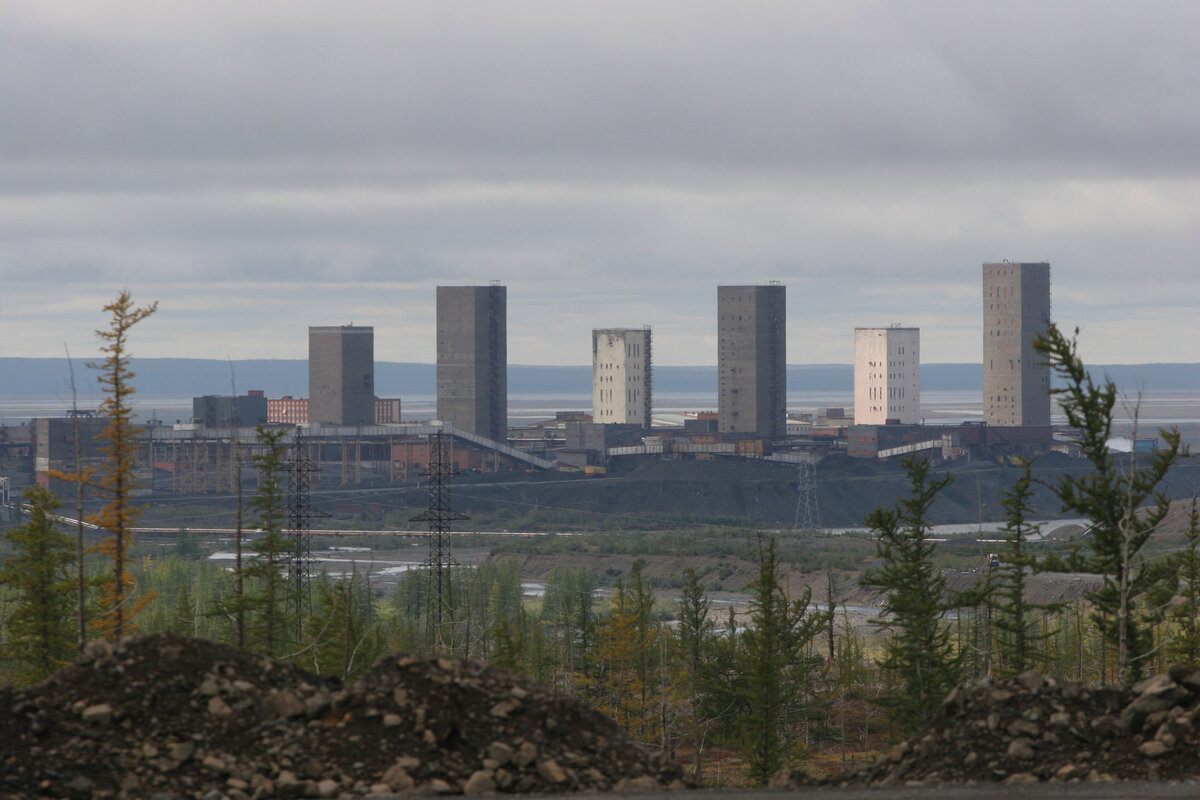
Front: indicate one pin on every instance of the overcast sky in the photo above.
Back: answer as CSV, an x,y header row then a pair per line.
x,y
260,167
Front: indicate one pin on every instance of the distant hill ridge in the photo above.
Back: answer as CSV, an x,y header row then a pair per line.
x,y
191,377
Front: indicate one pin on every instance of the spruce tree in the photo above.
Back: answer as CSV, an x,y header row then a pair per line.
x,y
919,651
269,597
1184,644
507,641
776,668
1121,499
39,636
183,614
1020,639
694,624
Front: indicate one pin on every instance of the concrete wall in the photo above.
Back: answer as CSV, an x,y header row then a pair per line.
x,y
887,376
1016,309
752,360
472,359
621,387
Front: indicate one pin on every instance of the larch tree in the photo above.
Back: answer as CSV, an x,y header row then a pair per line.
x,y
568,610
627,638
342,636
116,480
694,634
1121,499
39,637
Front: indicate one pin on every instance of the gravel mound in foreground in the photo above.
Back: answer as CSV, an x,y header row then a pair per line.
x,y
1032,729
170,717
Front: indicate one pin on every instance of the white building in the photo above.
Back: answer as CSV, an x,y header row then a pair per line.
x,y
887,376
621,386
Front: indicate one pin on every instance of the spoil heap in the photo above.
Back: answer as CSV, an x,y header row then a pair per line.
x,y
169,716
1036,729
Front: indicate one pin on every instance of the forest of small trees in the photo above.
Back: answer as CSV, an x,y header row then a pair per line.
x,y
733,696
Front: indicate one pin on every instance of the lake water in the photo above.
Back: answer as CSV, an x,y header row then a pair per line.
x,y
938,407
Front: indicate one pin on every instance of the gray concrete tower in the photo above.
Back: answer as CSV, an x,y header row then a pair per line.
x,y
752,360
341,375
472,359
1016,309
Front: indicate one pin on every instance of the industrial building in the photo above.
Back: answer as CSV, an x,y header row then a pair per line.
x,y
294,410
224,411
341,375
472,359
752,360
887,376
621,376
387,411
287,410
1016,310
67,445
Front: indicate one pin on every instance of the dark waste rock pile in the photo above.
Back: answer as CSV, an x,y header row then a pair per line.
x,y
1032,729
170,717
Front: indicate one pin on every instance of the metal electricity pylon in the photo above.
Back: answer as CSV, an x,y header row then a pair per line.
x,y
439,516
808,514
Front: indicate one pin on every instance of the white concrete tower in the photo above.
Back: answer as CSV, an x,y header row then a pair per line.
x,y
621,377
887,376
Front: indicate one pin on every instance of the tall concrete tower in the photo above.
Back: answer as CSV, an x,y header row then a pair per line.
x,y
1016,309
887,376
341,375
472,359
752,360
621,378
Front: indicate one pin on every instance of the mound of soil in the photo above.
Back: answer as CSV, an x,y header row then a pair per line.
x,y
171,717
1033,729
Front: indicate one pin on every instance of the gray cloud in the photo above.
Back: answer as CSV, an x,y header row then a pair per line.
x,y
764,85
262,168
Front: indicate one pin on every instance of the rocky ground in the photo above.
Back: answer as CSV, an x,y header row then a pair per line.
x,y
170,717
1033,729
